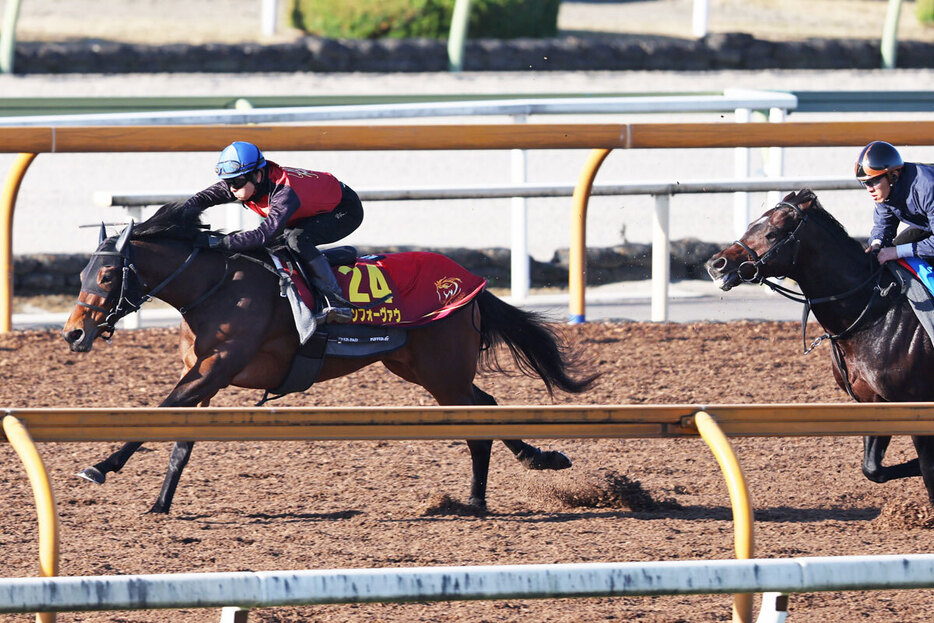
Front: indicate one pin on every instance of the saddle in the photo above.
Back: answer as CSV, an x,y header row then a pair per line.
x,y
392,293
318,341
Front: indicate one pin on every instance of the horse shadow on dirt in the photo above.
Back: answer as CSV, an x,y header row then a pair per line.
x,y
275,518
780,514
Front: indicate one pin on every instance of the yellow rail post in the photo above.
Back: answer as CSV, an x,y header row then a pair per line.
x,y
22,443
577,259
7,203
739,498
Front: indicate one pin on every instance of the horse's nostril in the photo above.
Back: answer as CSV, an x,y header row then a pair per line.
x,y
74,336
719,263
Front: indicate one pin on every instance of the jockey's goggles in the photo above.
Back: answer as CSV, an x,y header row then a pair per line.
x,y
873,181
236,183
229,168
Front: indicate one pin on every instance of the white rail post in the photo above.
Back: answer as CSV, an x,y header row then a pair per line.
x,y
269,17
661,264
741,170
699,25
775,163
8,36
519,256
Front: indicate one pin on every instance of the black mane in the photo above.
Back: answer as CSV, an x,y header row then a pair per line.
x,y
170,221
820,213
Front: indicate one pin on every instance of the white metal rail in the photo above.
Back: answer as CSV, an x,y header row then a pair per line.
x,y
660,191
730,101
332,586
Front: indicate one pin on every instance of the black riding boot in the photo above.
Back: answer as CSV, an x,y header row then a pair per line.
x,y
323,279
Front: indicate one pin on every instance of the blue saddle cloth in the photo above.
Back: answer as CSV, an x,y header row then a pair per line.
x,y
922,271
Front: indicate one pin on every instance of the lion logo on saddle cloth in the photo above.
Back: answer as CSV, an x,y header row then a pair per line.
x,y
390,293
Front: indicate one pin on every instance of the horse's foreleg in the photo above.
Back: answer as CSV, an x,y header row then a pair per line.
x,y
113,463
527,454
480,450
180,455
874,449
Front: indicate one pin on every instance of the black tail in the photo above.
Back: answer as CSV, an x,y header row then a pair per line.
x,y
535,347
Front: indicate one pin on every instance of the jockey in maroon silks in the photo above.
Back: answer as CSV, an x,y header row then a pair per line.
x,y
308,208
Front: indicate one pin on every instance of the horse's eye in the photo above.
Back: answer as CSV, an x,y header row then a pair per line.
x,y
107,278
771,236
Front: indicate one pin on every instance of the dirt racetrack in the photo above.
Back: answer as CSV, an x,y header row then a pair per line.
x,y
304,505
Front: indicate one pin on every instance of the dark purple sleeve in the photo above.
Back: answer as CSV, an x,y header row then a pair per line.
x,y
283,202
215,195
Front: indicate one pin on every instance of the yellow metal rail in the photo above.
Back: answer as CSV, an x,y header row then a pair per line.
x,y
743,537
554,422
29,141
45,501
714,423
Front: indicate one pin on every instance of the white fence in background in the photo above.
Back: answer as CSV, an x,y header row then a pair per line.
x,y
662,192
743,102
419,584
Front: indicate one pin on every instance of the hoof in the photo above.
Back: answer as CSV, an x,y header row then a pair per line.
x,y
93,474
550,460
478,504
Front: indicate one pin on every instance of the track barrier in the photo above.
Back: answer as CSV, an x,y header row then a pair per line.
x,y
601,138
712,422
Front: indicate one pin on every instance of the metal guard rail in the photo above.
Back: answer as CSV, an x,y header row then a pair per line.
x,y
712,422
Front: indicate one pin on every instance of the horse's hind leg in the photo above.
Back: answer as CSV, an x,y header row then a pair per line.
x,y
113,463
480,450
527,454
925,447
874,449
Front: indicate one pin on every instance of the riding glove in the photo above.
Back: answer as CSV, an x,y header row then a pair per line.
x,y
206,240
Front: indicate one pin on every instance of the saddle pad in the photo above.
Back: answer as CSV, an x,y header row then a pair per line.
x,y
921,269
918,294
337,341
421,287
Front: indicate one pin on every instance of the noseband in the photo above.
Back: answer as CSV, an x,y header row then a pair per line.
x,y
131,284
756,261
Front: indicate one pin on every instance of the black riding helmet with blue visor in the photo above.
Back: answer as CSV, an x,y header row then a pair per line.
x,y
239,158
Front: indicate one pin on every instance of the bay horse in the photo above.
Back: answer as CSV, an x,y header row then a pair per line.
x,y
880,352
238,330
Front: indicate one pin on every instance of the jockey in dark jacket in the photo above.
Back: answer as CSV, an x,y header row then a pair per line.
x,y
308,207
903,193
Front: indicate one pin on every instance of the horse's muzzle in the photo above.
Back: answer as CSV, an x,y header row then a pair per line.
x,y
723,277
80,331
78,340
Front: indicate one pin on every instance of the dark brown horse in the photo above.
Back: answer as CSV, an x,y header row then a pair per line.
x,y
880,351
238,330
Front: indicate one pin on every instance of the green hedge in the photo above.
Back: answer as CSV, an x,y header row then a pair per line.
x,y
375,19
924,10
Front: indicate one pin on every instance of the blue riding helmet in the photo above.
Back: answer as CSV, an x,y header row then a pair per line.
x,y
238,158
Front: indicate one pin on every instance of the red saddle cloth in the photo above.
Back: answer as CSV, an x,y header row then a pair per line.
x,y
422,287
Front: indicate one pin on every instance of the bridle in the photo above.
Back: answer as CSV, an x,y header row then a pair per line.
x,y
132,285
756,262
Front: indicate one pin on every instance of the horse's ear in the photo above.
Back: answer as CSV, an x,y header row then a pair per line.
x,y
789,196
124,236
807,196
103,235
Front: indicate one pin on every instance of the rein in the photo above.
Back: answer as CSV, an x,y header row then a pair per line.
x,y
125,306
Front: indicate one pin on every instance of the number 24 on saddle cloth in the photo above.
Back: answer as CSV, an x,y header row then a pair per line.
x,y
417,288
